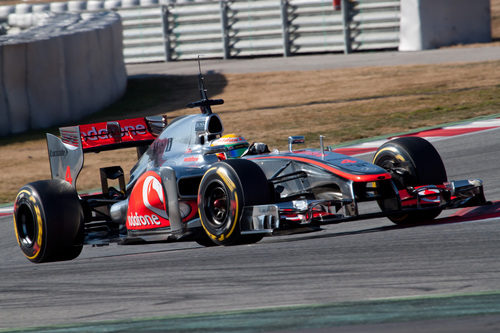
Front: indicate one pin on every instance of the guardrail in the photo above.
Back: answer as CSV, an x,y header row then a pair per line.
x,y
375,24
156,30
144,38
241,28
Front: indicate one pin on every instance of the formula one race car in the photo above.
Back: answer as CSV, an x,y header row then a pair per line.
x,y
186,188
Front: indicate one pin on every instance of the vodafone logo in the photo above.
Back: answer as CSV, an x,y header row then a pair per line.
x,y
152,196
94,133
139,220
146,209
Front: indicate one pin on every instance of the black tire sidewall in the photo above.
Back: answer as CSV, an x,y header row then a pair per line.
x,y
28,200
59,215
426,168
425,162
228,231
247,185
253,181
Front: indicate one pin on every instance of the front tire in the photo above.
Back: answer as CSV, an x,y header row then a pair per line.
x,y
48,221
225,189
412,161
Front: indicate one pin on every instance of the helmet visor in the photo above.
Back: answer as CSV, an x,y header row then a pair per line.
x,y
235,153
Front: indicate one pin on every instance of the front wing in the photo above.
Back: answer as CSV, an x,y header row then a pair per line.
x,y
302,212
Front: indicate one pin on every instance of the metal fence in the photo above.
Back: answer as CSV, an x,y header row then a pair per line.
x,y
240,28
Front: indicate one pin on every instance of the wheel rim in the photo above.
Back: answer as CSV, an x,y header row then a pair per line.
x,y
217,204
401,173
26,225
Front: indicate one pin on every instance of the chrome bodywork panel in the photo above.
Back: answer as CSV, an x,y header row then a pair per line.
x,y
259,219
66,160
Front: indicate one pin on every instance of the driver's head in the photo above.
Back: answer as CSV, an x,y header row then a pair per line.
x,y
236,145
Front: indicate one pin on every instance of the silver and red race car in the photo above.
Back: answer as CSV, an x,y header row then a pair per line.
x,y
181,188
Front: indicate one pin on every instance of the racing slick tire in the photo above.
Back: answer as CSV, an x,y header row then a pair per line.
x,y
225,189
48,221
412,161
203,239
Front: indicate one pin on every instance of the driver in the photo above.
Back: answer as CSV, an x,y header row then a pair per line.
x,y
237,146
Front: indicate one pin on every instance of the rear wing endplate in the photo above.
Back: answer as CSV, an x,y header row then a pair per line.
x,y
66,153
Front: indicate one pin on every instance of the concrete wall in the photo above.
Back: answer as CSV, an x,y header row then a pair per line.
x,y
428,24
65,67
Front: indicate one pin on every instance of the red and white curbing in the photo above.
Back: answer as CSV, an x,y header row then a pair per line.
x,y
6,211
431,135
473,214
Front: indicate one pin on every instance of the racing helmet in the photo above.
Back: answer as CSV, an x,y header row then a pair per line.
x,y
236,145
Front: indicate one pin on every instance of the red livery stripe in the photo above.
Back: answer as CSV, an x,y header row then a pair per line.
x,y
356,178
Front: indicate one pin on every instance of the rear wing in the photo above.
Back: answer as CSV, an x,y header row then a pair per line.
x,y
66,153
113,134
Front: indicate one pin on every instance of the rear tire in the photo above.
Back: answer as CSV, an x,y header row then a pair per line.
x,y
225,189
412,161
48,221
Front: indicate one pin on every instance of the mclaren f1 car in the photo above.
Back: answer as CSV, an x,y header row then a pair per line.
x,y
185,186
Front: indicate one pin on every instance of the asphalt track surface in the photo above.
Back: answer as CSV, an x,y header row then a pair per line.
x,y
319,62
351,262
357,277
